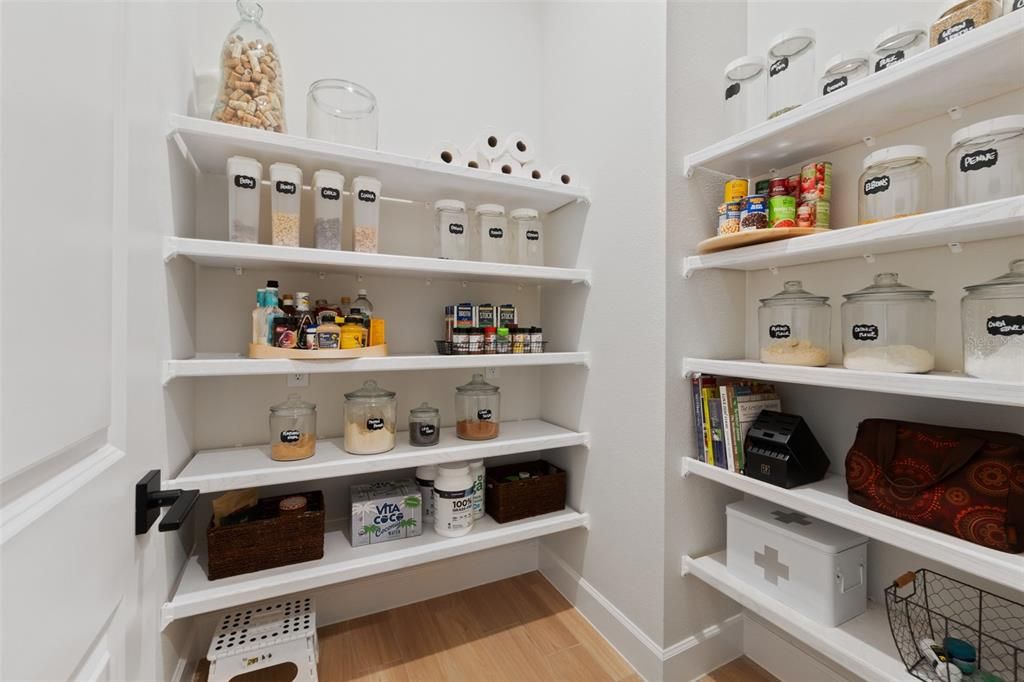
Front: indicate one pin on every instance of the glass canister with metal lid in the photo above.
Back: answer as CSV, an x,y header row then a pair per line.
x,y
986,161
292,429
369,420
424,425
992,315
477,410
794,327
889,327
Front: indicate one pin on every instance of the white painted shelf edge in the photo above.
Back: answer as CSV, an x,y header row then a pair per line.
x,y
952,226
222,254
942,385
863,645
827,500
232,468
195,594
229,365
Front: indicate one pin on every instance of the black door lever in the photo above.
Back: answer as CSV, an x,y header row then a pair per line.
x,y
149,498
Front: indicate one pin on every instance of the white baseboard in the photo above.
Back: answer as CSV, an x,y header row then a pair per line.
x,y
783,657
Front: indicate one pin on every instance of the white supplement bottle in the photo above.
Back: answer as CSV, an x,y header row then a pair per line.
x,y
425,476
476,472
453,500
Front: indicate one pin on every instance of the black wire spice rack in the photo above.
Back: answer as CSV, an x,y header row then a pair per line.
x,y
924,604
481,348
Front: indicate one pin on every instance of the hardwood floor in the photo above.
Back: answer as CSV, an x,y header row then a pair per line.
x,y
741,670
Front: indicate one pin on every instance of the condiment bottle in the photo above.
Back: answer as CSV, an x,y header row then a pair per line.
x,y
305,317
490,339
328,334
258,337
353,333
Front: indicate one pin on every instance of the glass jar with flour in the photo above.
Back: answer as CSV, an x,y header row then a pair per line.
x,y
889,327
369,420
794,327
993,326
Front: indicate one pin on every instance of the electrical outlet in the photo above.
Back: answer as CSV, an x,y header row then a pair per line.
x,y
491,373
298,380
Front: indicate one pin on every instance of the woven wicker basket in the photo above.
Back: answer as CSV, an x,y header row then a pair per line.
x,y
510,500
272,538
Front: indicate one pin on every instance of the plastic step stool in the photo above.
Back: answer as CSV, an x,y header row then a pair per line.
x,y
264,635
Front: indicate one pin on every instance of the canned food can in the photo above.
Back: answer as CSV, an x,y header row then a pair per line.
x,y
814,214
729,218
762,186
736,190
778,187
755,213
793,185
816,181
782,211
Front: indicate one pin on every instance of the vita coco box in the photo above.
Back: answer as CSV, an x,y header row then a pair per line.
x,y
389,510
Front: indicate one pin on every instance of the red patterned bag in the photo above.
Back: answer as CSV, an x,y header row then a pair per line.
x,y
963,482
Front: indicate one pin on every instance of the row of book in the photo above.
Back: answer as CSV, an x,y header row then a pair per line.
x,y
724,408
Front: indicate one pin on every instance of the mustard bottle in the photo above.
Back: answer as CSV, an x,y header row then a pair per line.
x,y
353,333
328,334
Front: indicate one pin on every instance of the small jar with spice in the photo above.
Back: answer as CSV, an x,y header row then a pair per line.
x,y
424,425
292,429
477,410
369,420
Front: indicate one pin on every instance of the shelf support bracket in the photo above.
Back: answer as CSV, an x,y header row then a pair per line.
x,y
955,247
955,113
869,258
869,141
239,271
774,269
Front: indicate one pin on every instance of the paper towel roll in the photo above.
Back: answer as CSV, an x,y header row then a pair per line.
x,y
471,159
446,152
533,171
489,144
506,165
521,147
563,174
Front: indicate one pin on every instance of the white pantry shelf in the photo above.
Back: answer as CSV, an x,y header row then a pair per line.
x,y
975,67
212,471
222,254
942,385
211,143
234,365
827,500
195,594
977,222
863,645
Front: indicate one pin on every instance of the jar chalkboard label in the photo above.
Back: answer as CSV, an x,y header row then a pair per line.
x,y
285,187
779,331
330,193
496,233
956,29
290,436
835,84
877,185
865,332
427,429
374,424
734,89
245,182
889,60
367,195
982,158
483,415
1017,4
456,228
778,66
532,235
1005,325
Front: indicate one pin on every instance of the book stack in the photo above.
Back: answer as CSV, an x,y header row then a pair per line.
x,y
723,411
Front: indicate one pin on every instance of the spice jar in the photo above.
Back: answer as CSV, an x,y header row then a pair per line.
x,y
492,229
451,234
790,71
889,327
369,420
992,316
477,410
898,43
794,327
292,429
244,178
959,17
285,200
744,95
327,209
841,70
528,236
896,182
424,425
251,92
366,214
986,161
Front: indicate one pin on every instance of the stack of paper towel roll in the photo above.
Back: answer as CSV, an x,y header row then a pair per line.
x,y
514,154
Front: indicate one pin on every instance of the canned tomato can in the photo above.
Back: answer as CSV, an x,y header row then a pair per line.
x,y
755,213
762,186
777,187
793,186
782,211
814,214
816,181
736,190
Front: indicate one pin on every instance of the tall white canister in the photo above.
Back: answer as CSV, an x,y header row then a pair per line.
x,y
244,177
492,228
791,72
743,93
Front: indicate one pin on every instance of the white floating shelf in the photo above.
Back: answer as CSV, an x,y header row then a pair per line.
x,y
975,67
977,222
827,500
233,365
863,645
220,254
211,143
195,594
212,471
943,385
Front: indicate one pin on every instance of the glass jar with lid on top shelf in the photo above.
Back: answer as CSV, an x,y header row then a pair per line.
x,y
993,326
794,327
842,70
959,17
889,327
897,44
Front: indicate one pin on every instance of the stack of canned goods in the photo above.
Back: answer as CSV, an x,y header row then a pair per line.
x,y
802,200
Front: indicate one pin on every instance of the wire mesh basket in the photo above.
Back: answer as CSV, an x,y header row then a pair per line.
x,y
483,348
925,605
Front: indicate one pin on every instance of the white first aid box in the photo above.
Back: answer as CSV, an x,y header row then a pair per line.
x,y
809,565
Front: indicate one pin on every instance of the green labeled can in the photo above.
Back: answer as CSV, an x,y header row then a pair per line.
x,y
782,211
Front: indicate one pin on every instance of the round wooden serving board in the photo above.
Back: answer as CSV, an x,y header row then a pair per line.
x,y
258,351
769,234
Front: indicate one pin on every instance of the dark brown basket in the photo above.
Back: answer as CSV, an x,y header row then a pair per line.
x,y
511,500
271,539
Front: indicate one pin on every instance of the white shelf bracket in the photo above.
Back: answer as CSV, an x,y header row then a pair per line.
x,y
427,282
869,258
359,278
774,269
586,440
955,247
688,171
239,271
955,113
465,284
519,287
869,141
321,276
773,172
170,253
684,568
166,618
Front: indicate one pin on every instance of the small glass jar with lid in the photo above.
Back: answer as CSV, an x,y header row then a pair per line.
x,y
452,237
744,93
477,410
986,161
369,420
492,231
896,182
993,326
960,17
292,429
424,425
528,236
790,71
794,327
842,70
889,327
897,44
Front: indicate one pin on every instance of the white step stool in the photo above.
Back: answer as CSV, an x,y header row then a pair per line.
x,y
263,635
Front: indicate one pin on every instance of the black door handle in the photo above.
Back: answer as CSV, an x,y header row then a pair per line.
x,y
149,498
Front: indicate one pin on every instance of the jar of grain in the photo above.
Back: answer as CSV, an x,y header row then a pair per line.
x,y
292,429
327,209
366,214
794,327
369,420
477,410
285,200
959,17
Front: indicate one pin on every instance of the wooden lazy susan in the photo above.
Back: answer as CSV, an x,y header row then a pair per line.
x,y
738,239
